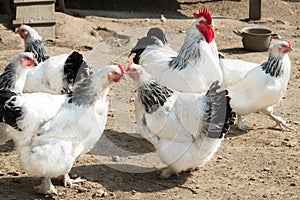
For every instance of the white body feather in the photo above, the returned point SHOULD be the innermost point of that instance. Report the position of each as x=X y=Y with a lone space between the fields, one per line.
x=47 y=76
x=53 y=152
x=175 y=129
x=199 y=73
x=250 y=88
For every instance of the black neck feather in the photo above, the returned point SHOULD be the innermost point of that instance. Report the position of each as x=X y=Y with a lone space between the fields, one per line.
x=273 y=67
x=38 y=49
x=189 y=52
x=8 y=78
x=153 y=95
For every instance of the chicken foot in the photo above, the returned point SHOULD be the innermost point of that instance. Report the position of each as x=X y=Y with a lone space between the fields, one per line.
x=279 y=121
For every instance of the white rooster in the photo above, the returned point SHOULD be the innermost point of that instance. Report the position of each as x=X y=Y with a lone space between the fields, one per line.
x=194 y=68
x=185 y=128
x=53 y=130
x=13 y=79
x=253 y=87
x=56 y=74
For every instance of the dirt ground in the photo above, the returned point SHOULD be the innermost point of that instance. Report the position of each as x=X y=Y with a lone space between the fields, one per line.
x=260 y=164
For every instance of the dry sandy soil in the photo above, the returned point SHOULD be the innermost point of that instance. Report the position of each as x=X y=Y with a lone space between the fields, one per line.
x=260 y=164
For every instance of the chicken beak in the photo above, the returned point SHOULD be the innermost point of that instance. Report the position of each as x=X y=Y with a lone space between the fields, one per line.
x=35 y=63
x=291 y=49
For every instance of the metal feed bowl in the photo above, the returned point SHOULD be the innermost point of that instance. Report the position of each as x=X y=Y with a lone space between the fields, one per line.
x=256 y=38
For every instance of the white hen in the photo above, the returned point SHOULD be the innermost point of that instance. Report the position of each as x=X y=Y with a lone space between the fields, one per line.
x=253 y=87
x=13 y=79
x=56 y=74
x=185 y=128
x=51 y=136
x=194 y=68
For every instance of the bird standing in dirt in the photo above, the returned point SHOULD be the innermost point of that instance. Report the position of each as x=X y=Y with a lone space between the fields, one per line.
x=51 y=131
x=185 y=128
x=253 y=87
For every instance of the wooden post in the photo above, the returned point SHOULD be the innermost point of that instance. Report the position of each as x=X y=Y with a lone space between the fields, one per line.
x=255 y=10
x=61 y=4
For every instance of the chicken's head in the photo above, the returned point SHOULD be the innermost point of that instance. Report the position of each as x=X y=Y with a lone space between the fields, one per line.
x=204 y=24
x=27 y=32
x=133 y=71
x=27 y=60
x=281 y=48
x=115 y=73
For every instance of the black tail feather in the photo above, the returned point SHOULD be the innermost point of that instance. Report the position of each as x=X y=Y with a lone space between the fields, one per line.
x=219 y=113
x=9 y=112
x=75 y=69
x=146 y=41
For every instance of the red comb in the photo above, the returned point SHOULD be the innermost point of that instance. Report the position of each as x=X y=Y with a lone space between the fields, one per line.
x=289 y=42
x=203 y=12
x=121 y=68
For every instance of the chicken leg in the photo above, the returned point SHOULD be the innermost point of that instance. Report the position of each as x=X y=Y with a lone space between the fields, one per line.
x=72 y=182
x=241 y=125
x=279 y=121
x=46 y=187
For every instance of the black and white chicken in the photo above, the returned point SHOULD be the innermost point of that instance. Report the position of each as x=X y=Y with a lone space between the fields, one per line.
x=194 y=68
x=53 y=130
x=254 y=87
x=185 y=128
x=13 y=79
x=56 y=74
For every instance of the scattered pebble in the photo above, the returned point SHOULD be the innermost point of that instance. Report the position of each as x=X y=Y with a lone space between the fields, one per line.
x=16 y=173
x=293 y=184
x=100 y=193
x=279 y=21
x=93 y=33
x=2 y=174
x=266 y=169
x=291 y=144
x=296 y=123
x=82 y=190
x=220 y=157
x=252 y=178
x=133 y=192
x=116 y=158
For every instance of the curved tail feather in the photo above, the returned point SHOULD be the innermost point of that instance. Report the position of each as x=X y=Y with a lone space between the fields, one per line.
x=153 y=35
x=219 y=112
x=75 y=69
